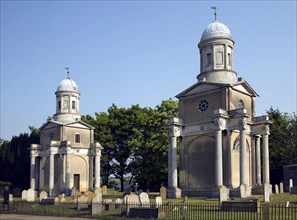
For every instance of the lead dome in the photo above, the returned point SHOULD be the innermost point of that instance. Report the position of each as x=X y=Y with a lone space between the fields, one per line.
x=216 y=29
x=67 y=85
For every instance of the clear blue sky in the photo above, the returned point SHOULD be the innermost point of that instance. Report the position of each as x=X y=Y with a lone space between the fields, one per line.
x=135 y=52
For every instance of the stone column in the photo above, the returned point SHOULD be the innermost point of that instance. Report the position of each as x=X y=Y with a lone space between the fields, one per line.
x=97 y=152
x=51 y=173
x=243 y=155
x=266 y=156
x=91 y=157
x=173 y=165
x=218 y=159
x=68 y=150
x=170 y=161
x=253 y=152
x=173 y=131
x=32 y=170
x=258 y=160
x=229 y=159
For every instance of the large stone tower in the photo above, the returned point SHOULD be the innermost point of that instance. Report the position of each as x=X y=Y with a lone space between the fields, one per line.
x=217 y=127
x=67 y=151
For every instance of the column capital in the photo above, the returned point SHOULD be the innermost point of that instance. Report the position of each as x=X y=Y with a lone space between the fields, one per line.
x=33 y=153
x=96 y=148
x=265 y=129
x=174 y=127
x=220 y=123
x=242 y=124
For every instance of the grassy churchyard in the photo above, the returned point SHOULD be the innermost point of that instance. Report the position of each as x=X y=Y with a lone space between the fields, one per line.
x=184 y=208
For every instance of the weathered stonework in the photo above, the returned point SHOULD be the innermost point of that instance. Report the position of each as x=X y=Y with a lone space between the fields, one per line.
x=218 y=129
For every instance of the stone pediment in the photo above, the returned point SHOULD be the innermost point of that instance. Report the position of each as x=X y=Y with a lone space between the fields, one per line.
x=200 y=87
x=50 y=124
x=79 y=124
x=245 y=88
x=76 y=124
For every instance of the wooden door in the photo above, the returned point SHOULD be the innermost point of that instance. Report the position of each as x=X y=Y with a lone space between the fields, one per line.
x=76 y=181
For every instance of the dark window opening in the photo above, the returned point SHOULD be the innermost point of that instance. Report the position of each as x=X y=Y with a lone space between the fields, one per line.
x=208 y=59
x=77 y=138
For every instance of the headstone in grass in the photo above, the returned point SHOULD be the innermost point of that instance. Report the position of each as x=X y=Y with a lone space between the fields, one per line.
x=104 y=190
x=118 y=202
x=56 y=201
x=158 y=201
x=281 y=187
x=132 y=201
x=276 y=189
x=127 y=189
x=30 y=195
x=144 y=199
x=96 y=206
x=10 y=198
x=62 y=200
x=24 y=195
x=163 y=192
x=98 y=192
x=290 y=185
x=223 y=190
x=42 y=195
x=82 y=202
x=73 y=191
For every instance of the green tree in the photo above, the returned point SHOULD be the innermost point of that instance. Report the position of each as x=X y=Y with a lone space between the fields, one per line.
x=134 y=142
x=282 y=143
x=15 y=158
x=151 y=164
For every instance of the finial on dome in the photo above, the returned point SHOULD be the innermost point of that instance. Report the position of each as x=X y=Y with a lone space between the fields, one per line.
x=67 y=68
x=215 y=11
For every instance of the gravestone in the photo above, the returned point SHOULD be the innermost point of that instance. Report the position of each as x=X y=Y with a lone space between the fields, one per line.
x=62 y=200
x=132 y=201
x=223 y=194
x=42 y=195
x=10 y=198
x=30 y=195
x=127 y=189
x=118 y=202
x=144 y=199
x=98 y=192
x=163 y=193
x=82 y=202
x=267 y=190
x=104 y=190
x=281 y=187
x=290 y=185
x=276 y=189
x=56 y=201
x=24 y=195
x=73 y=191
x=158 y=201
x=96 y=205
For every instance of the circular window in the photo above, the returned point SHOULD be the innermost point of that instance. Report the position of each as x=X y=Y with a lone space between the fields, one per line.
x=241 y=103
x=203 y=105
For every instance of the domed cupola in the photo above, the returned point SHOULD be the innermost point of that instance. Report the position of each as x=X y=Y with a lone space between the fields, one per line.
x=216 y=54
x=67 y=104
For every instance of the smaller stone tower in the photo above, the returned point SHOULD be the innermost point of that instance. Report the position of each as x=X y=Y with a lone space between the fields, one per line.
x=66 y=154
